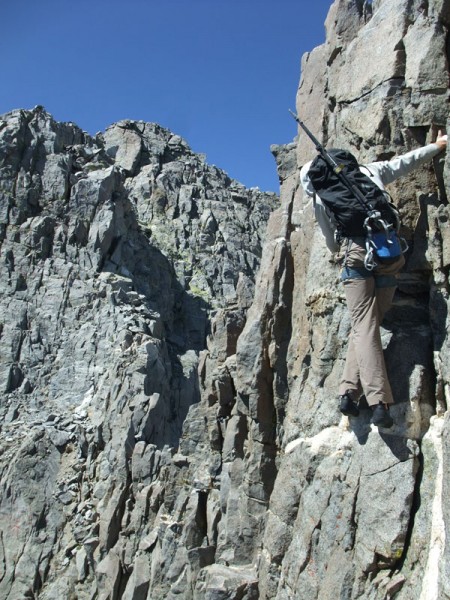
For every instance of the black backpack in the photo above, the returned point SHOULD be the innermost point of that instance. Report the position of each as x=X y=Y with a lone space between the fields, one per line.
x=349 y=212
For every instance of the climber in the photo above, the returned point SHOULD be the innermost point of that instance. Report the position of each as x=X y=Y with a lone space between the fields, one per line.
x=368 y=292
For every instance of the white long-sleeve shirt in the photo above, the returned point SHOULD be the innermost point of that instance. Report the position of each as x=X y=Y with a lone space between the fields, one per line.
x=381 y=172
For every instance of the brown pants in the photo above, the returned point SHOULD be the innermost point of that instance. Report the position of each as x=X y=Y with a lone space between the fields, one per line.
x=369 y=296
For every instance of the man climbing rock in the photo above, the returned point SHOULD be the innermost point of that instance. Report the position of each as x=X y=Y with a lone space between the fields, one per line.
x=369 y=284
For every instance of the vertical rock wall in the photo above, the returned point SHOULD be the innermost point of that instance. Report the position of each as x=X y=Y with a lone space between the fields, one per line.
x=356 y=512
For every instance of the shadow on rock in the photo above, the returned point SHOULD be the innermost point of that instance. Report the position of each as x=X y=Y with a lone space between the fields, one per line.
x=397 y=445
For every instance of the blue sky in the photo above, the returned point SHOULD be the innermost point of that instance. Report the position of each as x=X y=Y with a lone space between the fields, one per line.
x=220 y=73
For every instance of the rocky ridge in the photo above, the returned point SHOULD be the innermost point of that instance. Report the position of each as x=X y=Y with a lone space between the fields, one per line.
x=118 y=251
x=168 y=427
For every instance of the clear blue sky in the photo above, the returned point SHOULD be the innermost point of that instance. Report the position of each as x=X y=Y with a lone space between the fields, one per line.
x=220 y=73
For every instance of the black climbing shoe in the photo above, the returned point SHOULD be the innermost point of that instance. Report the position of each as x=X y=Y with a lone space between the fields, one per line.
x=362 y=403
x=381 y=416
x=347 y=406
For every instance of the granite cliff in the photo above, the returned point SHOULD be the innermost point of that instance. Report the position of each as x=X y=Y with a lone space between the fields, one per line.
x=171 y=343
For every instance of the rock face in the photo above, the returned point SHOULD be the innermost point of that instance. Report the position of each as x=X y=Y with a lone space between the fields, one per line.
x=356 y=513
x=170 y=355
x=116 y=252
